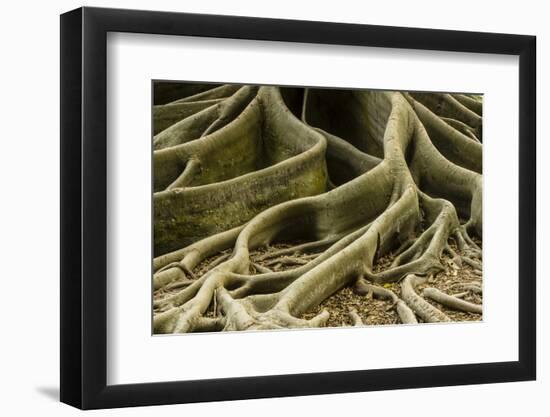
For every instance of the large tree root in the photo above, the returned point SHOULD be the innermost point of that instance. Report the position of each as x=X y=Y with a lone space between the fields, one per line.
x=452 y=302
x=421 y=307
x=261 y=158
x=351 y=176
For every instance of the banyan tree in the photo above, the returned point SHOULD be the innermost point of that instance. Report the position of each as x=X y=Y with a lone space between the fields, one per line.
x=271 y=201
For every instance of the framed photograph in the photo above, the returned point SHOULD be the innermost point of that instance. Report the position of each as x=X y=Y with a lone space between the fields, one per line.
x=258 y=208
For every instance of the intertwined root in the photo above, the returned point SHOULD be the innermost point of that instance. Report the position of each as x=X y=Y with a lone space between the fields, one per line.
x=255 y=313
x=345 y=177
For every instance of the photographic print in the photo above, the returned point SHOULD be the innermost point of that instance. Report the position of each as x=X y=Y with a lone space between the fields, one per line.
x=279 y=207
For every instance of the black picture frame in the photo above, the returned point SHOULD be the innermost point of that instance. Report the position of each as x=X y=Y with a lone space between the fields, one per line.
x=84 y=207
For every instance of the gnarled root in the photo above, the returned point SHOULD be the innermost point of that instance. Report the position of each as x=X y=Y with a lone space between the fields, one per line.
x=451 y=302
x=387 y=175
x=241 y=315
x=421 y=307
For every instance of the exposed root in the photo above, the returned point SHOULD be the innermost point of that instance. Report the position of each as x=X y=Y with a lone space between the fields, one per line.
x=206 y=324
x=462 y=128
x=231 y=107
x=268 y=206
x=472 y=263
x=261 y=269
x=187 y=175
x=192 y=255
x=405 y=313
x=218 y=261
x=422 y=308
x=471 y=287
x=456 y=259
x=355 y=318
x=302 y=248
x=286 y=260
x=239 y=317
x=179 y=284
x=451 y=301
